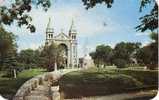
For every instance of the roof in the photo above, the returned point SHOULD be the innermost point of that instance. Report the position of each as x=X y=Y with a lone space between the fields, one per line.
x=62 y=36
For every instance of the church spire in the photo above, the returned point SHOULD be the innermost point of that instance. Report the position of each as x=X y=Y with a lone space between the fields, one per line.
x=49 y=26
x=49 y=31
x=72 y=31
x=49 y=23
x=72 y=28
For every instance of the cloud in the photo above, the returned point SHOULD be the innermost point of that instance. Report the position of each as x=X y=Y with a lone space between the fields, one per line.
x=86 y=23
x=33 y=46
x=100 y=25
x=145 y=43
x=142 y=34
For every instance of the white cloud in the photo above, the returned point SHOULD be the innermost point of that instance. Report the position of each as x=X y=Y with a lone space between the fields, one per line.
x=88 y=23
x=142 y=34
x=145 y=43
x=33 y=46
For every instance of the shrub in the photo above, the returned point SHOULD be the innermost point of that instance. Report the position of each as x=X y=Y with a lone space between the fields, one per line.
x=146 y=77
x=92 y=84
x=120 y=63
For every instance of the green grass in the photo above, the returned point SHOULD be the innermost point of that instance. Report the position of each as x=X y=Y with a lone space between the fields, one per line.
x=94 y=81
x=9 y=86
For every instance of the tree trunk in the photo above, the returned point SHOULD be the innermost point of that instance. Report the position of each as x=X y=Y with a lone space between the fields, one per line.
x=55 y=66
x=14 y=72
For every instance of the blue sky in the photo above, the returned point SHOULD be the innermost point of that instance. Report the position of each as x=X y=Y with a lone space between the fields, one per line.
x=120 y=21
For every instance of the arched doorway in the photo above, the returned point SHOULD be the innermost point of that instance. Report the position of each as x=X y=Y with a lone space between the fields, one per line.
x=64 y=53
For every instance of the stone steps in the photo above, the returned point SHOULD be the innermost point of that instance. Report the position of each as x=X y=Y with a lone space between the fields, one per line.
x=39 y=93
x=33 y=97
x=41 y=87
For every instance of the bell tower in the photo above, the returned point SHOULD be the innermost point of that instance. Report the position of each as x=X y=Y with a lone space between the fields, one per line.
x=72 y=31
x=73 y=50
x=49 y=32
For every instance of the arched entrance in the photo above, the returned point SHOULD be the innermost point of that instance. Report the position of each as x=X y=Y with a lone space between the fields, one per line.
x=64 y=53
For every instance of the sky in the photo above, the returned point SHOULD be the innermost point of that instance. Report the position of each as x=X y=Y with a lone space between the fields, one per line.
x=99 y=25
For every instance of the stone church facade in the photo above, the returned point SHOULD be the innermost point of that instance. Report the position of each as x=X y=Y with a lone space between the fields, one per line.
x=68 y=42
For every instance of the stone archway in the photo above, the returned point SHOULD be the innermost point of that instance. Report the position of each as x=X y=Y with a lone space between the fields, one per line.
x=64 y=50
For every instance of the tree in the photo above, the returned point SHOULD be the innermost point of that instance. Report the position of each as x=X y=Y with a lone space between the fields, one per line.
x=102 y=55
x=92 y=3
x=147 y=55
x=51 y=55
x=149 y=21
x=124 y=52
x=7 y=48
x=18 y=10
x=29 y=58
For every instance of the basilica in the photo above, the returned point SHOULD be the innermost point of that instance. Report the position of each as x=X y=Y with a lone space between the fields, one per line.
x=67 y=41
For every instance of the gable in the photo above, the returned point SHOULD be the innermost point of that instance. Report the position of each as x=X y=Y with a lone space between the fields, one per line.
x=61 y=36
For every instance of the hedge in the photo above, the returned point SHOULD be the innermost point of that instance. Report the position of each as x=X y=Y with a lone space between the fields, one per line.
x=95 y=83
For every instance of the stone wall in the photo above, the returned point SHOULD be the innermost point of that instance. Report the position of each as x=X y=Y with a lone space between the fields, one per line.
x=33 y=83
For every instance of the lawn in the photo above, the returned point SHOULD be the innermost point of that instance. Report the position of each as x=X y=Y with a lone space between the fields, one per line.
x=93 y=82
x=9 y=86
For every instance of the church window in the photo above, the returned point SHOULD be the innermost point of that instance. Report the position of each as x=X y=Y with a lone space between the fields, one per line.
x=51 y=35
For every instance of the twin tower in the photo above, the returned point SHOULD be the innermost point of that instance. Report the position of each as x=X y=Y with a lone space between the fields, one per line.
x=67 y=41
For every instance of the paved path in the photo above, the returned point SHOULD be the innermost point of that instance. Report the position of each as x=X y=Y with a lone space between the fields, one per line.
x=45 y=91
x=39 y=93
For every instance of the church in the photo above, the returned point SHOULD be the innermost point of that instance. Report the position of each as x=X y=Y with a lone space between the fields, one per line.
x=67 y=41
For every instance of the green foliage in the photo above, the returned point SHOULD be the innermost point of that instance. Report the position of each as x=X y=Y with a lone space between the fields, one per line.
x=124 y=52
x=144 y=3
x=7 y=49
x=8 y=87
x=29 y=58
x=121 y=55
x=102 y=55
x=147 y=55
x=16 y=12
x=51 y=54
x=149 y=21
x=146 y=77
x=154 y=37
x=30 y=73
x=120 y=63
x=93 y=82
x=92 y=3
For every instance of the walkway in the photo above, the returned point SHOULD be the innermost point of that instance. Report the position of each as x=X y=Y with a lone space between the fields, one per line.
x=41 y=87
x=39 y=93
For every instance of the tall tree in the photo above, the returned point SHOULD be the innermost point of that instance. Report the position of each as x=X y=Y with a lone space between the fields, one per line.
x=51 y=55
x=29 y=58
x=148 y=55
x=102 y=55
x=124 y=52
x=7 y=47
